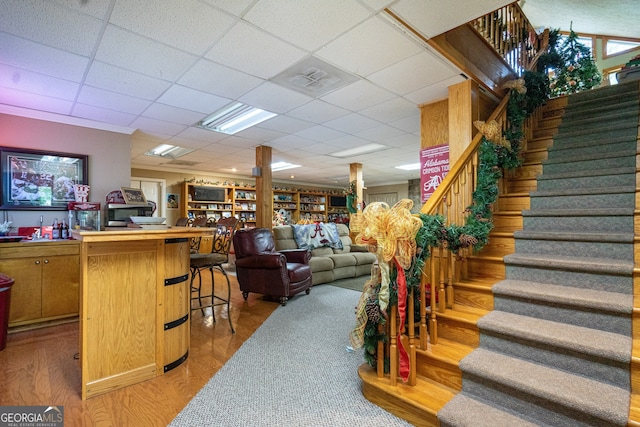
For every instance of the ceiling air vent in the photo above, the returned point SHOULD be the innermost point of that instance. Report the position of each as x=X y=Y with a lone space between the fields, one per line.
x=314 y=77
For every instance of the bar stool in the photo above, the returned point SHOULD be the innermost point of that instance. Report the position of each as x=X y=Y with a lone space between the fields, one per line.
x=225 y=229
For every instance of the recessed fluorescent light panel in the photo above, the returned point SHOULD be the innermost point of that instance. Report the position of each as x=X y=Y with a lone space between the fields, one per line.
x=235 y=117
x=280 y=166
x=168 y=151
x=411 y=167
x=363 y=149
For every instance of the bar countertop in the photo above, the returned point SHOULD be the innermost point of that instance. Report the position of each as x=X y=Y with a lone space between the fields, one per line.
x=151 y=233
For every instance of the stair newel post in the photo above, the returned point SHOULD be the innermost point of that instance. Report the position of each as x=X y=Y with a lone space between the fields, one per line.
x=410 y=325
x=393 y=346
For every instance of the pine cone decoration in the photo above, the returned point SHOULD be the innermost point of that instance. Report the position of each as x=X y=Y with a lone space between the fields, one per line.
x=468 y=240
x=373 y=311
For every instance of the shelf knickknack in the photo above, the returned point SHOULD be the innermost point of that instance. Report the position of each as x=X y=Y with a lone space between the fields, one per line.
x=34 y=179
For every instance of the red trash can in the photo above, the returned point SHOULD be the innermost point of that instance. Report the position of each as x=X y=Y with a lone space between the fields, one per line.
x=5 y=303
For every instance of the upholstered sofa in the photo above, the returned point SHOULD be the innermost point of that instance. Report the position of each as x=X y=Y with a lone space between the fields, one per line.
x=333 y=261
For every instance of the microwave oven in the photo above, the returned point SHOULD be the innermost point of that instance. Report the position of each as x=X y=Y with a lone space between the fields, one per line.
x=119 y=214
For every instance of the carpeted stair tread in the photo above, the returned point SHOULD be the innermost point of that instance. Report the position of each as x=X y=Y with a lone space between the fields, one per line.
x=613 y=128
x=614 y=302
x=579 y=212
x=575 y=236
x=585 y=173
x=562 y=336
x=602 y=401
x=583 y=191
x=602 y=142
x=466 y=410
x=591 y=156
x=606 y=109
x=591 y=265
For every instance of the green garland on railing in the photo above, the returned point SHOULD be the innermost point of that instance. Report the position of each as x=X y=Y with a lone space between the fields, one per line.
x=492 y=160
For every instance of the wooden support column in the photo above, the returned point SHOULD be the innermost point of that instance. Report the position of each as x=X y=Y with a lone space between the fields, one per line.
x=355 y=174
x=463 y=110
x=264 y=202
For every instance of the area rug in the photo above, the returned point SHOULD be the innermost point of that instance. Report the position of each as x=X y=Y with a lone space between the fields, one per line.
x=297 y=369
x=353 y=283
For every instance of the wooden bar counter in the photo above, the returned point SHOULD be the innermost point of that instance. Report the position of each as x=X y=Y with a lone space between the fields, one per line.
x=134 y=304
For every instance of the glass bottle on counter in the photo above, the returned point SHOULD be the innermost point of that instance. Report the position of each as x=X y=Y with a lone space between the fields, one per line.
x=64 y=230
x=55 y=232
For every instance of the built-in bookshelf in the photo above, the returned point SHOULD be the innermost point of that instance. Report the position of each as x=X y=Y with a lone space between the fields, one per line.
x=218 y=201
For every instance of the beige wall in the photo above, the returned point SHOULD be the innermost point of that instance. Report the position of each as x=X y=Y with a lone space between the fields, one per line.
x=109 y=157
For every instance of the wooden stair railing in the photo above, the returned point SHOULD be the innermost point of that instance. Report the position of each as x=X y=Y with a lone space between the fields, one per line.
x=512 y=36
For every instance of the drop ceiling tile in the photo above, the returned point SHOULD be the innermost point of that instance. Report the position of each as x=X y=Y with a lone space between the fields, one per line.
x=261 y=134
x=23 y=80
x=378 y=4
x=380 y=45
x=145 y=56
x=123 y=81
x=309 y=25
x=272 y=97
x=199 y=134
x=358 y=96
x=433 y=17
x=409 y=124
x=352 y=123
x=235 y=7
x=90 y=95
x=103 y=115
x=34 y=101
x=320 y=133
x=193 y=100
x=219 y=80
x=255 y=52
x=290 y=141
x=391 y=110
x=74 y=32
x=172 y=114
x=434 y=92
x=21 y=53
x=417 y=71
x=188 y=24
x=285 y=124
x=379 y=133
x=318 y=111
x=405 y=140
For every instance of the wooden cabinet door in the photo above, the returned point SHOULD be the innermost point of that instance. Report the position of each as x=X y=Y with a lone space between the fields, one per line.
x=60 y=285
x=26 y=299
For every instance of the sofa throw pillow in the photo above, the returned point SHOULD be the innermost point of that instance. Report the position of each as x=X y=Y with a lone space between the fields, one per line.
x=311 y=236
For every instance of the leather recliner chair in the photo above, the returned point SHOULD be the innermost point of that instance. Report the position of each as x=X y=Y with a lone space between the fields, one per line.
x=263 y=270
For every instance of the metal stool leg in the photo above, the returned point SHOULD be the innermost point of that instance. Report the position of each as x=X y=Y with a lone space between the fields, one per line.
x=228 y=300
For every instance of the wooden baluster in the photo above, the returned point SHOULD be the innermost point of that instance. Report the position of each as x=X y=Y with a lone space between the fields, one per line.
x=424 y=280
x=393 y=347
x=441 y=290
x=433 y=322
x=380 y=352
x=450 y=289
x=411 y=326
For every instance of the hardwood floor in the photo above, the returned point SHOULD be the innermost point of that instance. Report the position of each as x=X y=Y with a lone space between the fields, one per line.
x=38 y=368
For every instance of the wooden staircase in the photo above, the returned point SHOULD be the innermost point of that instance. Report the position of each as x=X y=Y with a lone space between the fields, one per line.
x=438 y=375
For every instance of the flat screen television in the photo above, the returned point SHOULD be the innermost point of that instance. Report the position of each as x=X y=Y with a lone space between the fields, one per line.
x=209 y=194
x=338 y=201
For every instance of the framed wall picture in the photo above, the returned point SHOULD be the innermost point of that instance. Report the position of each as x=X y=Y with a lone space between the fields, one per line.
x=34 y=179
x=133 y=196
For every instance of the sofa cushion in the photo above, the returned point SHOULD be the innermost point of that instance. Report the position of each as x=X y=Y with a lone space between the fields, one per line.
x=320 y=263
x=283 y=236
x=342 y=260
x=321 y=252
x=363 y=258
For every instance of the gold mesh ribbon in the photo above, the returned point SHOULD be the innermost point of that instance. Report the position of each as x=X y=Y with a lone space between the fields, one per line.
x=518 y=85
x=492 y=132
x=390 y=233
